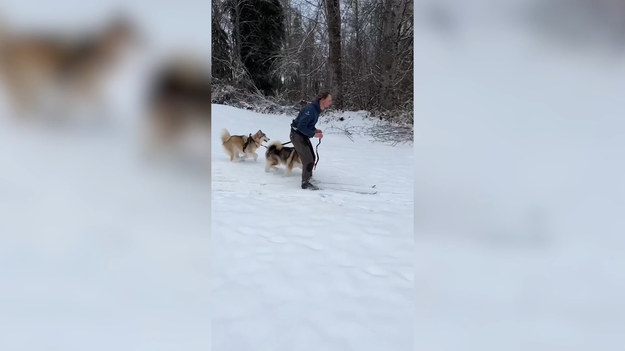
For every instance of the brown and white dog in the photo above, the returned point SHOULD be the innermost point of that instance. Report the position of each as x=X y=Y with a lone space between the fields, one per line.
x=35 y=66
x=180 y=99
x=278 y=154
x=246 y=144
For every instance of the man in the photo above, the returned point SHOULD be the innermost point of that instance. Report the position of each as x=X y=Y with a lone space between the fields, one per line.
x=302 y=129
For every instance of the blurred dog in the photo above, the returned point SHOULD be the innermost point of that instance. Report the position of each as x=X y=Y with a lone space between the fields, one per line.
x=236 y=144
x=35 y=67
x=180 y=99
x=278 y=154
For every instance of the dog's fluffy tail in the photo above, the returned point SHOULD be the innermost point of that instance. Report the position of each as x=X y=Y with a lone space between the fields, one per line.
x=277 y=145
x=225 y=135
x=273 y=147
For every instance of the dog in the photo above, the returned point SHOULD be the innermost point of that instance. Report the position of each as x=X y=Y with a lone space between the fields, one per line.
x=278 y=154
x=236 y=144
x=179 y=99
x=36 y=66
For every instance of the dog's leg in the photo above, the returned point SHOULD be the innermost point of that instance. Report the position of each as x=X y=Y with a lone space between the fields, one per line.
x=255 y=157
x=229 y=152
x=16 y=89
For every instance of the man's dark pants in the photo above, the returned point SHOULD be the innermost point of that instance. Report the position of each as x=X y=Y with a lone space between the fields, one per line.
x=304 y=149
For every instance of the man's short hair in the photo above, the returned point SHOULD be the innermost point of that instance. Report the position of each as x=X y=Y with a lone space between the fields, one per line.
x=322 y=95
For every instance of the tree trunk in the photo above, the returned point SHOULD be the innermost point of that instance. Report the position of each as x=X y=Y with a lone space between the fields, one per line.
x=358 y=53
x=334 y=34
x=387 y=59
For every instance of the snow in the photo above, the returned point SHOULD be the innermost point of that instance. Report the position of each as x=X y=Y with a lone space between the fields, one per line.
x=519 y=194
x=315 y=270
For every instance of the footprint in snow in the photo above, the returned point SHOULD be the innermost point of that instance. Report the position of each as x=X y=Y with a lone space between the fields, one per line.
x=375 y=271
x=276 y=240
x=312 y=245
x=246 y=230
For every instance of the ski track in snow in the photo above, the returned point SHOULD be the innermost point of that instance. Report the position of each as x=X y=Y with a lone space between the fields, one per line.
x=318 y=270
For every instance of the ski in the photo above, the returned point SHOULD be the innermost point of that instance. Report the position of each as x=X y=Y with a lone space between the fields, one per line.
x=348 y=188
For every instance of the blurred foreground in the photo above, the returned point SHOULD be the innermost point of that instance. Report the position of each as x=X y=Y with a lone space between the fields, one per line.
x=100 y=248
x=519 y=189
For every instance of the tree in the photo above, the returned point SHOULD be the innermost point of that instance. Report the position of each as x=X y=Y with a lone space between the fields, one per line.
x=221 y=68
x=259 y=34
x=362 y=50
x=334 y=34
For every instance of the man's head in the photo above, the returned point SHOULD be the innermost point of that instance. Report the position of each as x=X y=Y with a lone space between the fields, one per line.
x=325 y=100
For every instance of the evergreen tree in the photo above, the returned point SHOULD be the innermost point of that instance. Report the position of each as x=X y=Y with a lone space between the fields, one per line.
x=260 y=27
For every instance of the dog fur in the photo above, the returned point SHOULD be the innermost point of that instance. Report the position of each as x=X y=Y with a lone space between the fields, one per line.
x=234 y=144
x=278 y=154
x=38 y=63
x=180 y=99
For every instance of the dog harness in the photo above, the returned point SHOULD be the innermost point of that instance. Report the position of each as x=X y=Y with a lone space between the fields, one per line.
x=247 y=142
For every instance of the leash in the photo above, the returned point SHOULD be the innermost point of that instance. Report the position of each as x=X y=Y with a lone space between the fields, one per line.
x=288 y=142
x=317 y=151
x=266 y=147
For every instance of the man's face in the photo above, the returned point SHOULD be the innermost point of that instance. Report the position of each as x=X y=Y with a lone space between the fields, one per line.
x=325 y=103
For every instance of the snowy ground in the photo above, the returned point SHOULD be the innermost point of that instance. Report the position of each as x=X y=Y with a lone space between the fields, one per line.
x=295 y=269
x=519 y=194
x=98 y=249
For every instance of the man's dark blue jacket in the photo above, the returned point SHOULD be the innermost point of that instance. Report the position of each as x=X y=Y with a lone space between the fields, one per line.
x=307 y=119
